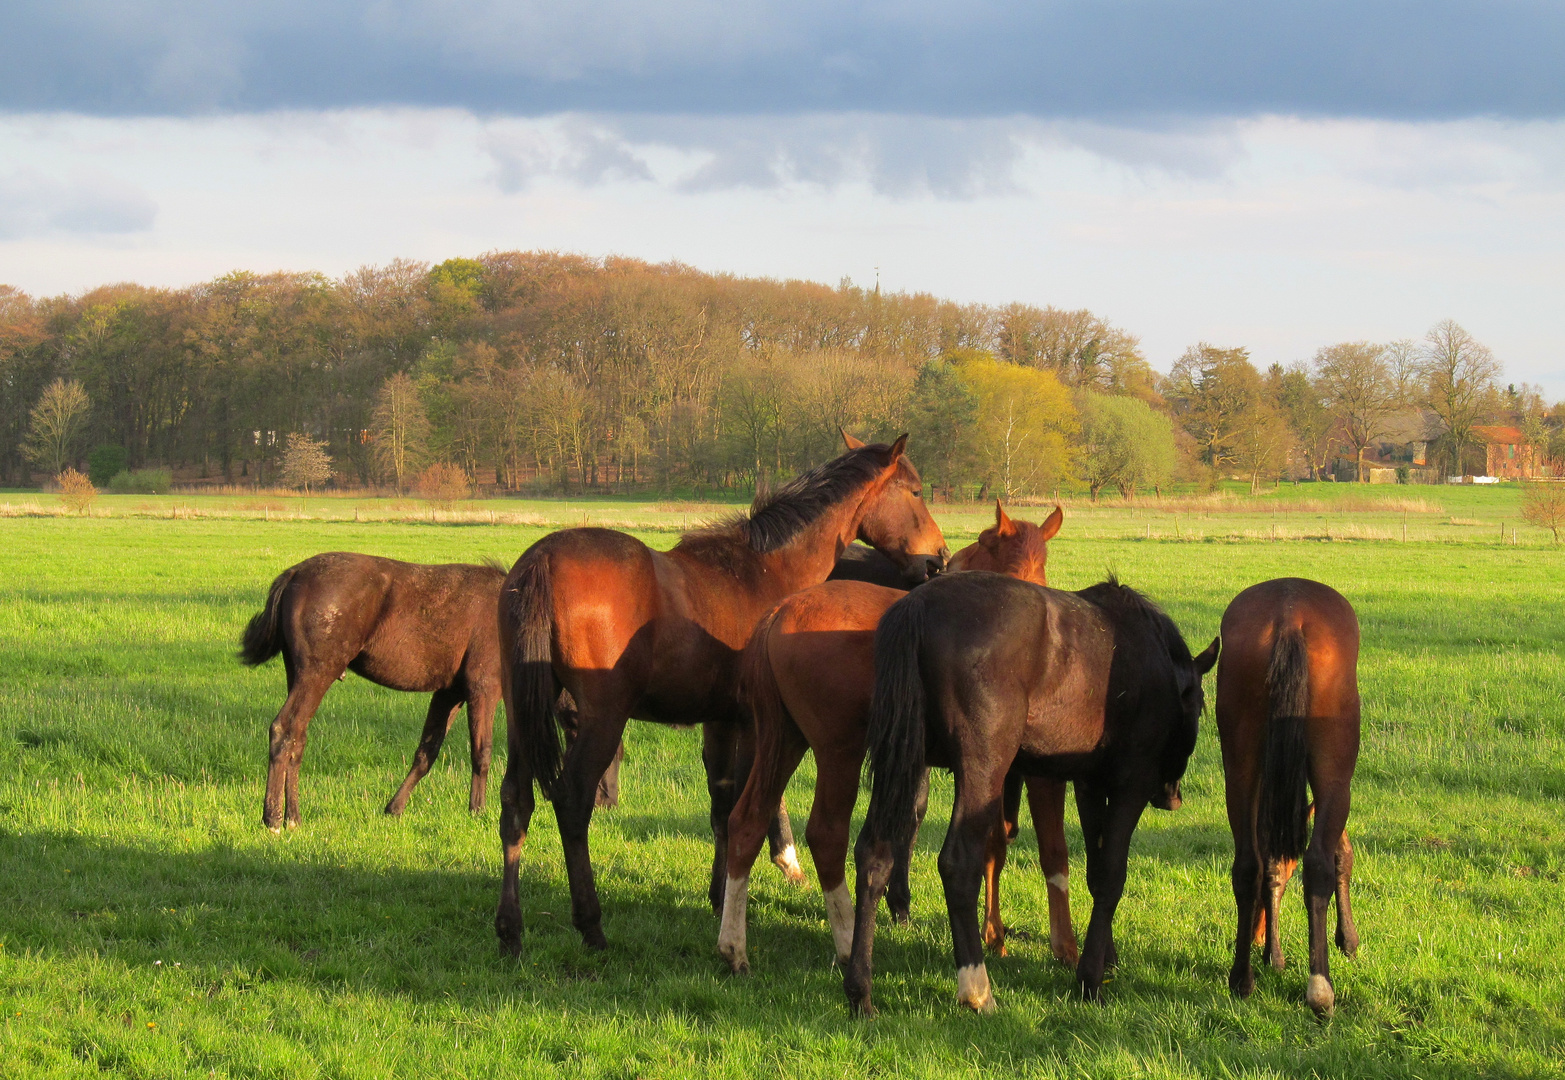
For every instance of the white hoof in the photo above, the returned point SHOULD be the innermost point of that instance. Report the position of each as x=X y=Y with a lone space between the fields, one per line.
x=1319 y=996
x=731 y=936
x=788 y=862
x=839 y=915
x=972 y=988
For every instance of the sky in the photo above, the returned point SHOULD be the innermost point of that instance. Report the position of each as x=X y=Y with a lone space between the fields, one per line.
x=1275 y=175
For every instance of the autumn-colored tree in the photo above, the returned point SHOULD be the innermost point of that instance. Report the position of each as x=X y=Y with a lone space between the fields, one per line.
x=1543 y=505
x=443 y=484
x=77 y=492
x=400 y=429
x=306 y=464
x=1358 y=388
x=1216 y=394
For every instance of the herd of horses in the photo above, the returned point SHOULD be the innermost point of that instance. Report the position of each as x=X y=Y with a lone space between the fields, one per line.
x=779 y=633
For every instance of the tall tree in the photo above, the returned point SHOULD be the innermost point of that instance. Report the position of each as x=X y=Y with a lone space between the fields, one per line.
x=1459 y=375
x=1314 y=427
x=1216 y=394
x=56 y=426
x=1124 y=444
x=1359 y=389
x=400 y=429
x=1026 y=426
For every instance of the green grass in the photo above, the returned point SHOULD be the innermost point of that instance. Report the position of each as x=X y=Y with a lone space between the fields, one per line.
x=149 y=926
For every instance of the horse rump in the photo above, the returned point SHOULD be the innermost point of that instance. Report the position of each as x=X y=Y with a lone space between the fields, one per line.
x=262 y=638
x=527 y=606
x=1283 y=826
x=897 y=724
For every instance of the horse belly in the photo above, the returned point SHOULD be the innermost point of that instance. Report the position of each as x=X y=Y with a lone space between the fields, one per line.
x=1067 y=720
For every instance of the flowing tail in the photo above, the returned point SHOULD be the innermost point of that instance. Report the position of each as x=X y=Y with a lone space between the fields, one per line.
x=527 y=611
x=261 y=640
x=1284 y=821
x=758 y=689
x=896 y=725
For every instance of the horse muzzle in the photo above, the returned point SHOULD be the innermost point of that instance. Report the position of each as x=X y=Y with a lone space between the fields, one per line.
x=1169 y=798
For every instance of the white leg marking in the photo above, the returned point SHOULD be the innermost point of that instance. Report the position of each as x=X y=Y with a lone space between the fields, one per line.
x=1319 y=996
x=788 y=862
x=839 y=913
x=972 y=988
x=731 y=937
x=1060 y=882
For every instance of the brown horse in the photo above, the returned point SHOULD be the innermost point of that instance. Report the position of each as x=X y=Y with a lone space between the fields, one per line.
x=807 y=676
x=426 y=629
x=628 y=631
x=1287 y=715
x=983 y=674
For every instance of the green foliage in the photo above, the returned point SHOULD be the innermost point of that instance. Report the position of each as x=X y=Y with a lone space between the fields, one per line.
x=106 y=462
x=942 y=422
x=1025 y=429
x=1125 y=444
x=142 y=482
x=150 y=927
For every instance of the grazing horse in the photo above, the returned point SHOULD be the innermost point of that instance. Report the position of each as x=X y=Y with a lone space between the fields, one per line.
x=1287 y=715
x=426 y=629
x=807 y=675
x=977 y=672
x=628 y=631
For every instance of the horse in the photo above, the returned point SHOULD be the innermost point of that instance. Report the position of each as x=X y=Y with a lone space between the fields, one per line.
x=976 y=672
x=1287 y=715
x=628 y=631
x=424 y=629
x=807 y=675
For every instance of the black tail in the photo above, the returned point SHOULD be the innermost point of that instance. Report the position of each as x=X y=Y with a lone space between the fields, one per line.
x=1284 y=823
x=261 y=640
x=533 y=708
x=896 y=725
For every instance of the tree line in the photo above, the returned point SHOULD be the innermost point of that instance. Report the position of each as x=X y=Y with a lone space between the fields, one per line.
x=530 y=371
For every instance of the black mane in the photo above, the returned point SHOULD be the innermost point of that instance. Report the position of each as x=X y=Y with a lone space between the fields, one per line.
x=1122 y=602
x=776 y=517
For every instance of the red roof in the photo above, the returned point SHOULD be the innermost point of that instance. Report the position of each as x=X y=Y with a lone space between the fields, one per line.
x=1502 y=434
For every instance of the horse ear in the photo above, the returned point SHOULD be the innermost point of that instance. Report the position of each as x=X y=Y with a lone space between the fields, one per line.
x=853 y=444
x=1003 y=525
x=897 y=449
x=1204 y=662
x=1052 y=523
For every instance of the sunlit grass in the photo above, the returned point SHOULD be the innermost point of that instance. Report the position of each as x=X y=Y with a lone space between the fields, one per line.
x=150 y=927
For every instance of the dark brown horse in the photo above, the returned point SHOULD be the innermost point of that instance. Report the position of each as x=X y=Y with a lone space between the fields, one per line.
x=628 y=631
x=807 y=676
x=1288 y=714
x=426 y=629
x=981 y=672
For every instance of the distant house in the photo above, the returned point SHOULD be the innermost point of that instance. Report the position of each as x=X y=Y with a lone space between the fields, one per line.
x=1508 y=454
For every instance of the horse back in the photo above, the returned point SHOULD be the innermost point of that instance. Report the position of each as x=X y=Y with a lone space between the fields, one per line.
x=1250 y=628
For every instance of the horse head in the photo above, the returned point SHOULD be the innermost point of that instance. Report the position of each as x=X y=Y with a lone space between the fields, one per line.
x=894 y=520
x=1018 y=549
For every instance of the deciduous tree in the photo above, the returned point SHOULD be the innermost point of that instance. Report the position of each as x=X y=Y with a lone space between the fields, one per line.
x=1459 y=375
x=56 y=425
x=400 y=429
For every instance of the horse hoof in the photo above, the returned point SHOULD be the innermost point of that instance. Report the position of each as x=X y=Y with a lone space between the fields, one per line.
x=1067 y=955
x=862 y=1009
x=594 y=939
x=972 y=988
x=1320 y=997
x=393 y=810
x=1278 y=962
x=1348 y=945
x=787 y=860
x=1241 y=987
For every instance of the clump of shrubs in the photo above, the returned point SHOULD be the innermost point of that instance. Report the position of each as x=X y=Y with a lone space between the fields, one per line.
x=105 y=463
x=142 y=482
x=77 y=492
x=442 y=485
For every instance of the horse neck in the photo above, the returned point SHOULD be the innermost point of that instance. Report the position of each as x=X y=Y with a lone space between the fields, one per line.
x=808 y=558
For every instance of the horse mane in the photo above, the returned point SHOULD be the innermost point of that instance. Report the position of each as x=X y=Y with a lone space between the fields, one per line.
x=776 y=517
x=1123 y=603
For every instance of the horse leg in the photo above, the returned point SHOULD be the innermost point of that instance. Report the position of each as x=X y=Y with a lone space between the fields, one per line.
x=1320 y=883
x=749 y=823
x=994 y=861
x=597 y=736
x=1347 y=931
x=1275 y=876
x=607 y=795
x=975 y=821
x=516 y=813
x=442 y=711
x=725 y=753
x=1252 y=914
x=287 y=747
x=899 y=893
x=831 y=816
x=1046 y=800
x=779 y=836
x=480 y=738
x=1114 y=816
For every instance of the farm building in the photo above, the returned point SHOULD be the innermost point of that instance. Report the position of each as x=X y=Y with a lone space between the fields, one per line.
x=1507 y=452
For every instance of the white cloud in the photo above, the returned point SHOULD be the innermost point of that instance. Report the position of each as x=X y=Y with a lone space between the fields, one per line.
x=33 y=204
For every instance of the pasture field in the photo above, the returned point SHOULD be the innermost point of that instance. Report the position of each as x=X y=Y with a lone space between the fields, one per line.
x=150 y=927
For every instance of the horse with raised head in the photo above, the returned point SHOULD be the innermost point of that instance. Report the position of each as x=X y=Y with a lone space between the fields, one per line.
x=631 y=632
x=807 y=675
x=982 y=672
x=1288 y=716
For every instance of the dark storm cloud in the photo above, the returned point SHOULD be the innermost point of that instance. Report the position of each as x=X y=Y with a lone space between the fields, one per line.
x=1390 y=59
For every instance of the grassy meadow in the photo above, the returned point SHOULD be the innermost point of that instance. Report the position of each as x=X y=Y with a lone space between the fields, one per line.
x=150 y=927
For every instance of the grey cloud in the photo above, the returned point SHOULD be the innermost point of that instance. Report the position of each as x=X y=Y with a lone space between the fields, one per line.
x=1100 y=60
x=32 y=204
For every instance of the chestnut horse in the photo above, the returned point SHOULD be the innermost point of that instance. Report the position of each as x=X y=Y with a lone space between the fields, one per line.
x=1287 y=715
x=427 y=629
x=807 y=675
x=981 y=672
x=628 y=631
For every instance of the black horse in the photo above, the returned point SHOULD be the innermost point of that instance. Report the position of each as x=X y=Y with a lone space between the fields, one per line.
x=976 y=672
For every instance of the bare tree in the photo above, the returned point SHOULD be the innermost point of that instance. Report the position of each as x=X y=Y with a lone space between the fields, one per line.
x=305 y=463
x=1358 y=388
x=1459 y=374
x=56 y=425
x=1543 y=505
x=400 y=428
